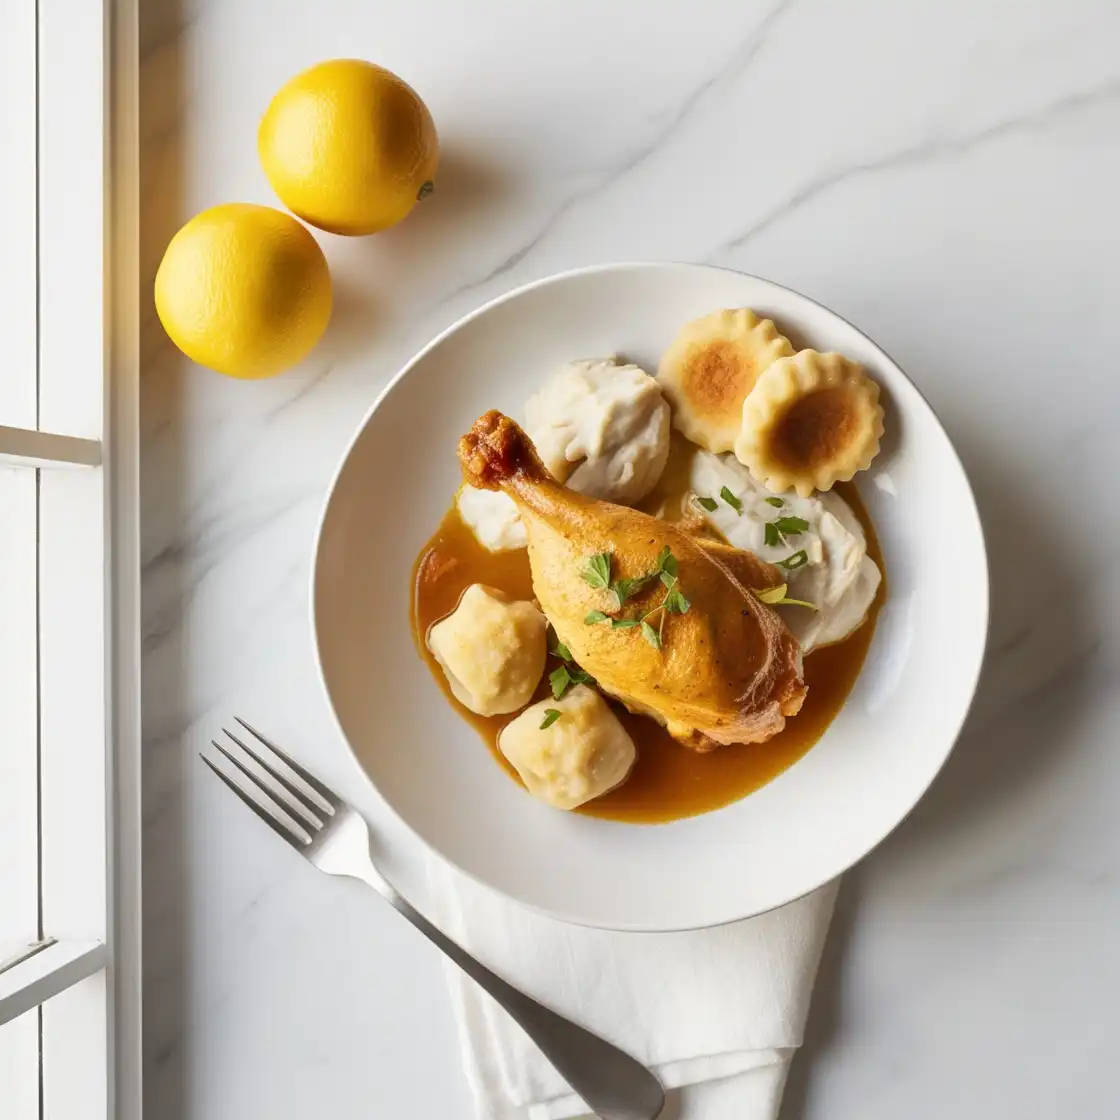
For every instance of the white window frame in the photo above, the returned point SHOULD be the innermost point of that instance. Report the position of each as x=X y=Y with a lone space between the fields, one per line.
x=70 y=1006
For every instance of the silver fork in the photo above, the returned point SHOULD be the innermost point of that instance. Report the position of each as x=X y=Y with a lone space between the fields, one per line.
x=336 y=839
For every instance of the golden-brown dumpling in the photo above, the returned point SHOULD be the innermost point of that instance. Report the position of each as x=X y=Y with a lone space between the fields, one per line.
x=570 y=758
x=811 y=421
x=492 y=650
x=711 y=367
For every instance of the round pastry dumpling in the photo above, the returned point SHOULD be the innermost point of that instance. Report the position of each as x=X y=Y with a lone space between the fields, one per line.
x=602 y=428
x=711 y=368
x=811 y=421
x=570 y=757
x=491 y=649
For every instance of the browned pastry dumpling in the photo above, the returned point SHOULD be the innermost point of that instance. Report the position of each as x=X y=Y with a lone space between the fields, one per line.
x=811 y=421
x=711 y=367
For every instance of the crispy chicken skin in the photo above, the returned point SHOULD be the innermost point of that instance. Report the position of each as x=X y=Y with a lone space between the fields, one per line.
x=729 y=670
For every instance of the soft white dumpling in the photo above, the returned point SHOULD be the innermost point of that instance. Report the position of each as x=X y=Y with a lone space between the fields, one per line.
x=601 y=428
x=582 y=754
x=492 y=650
x=493 y=518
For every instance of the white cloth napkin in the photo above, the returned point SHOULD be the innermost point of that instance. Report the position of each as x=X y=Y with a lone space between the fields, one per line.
x=716 y=1013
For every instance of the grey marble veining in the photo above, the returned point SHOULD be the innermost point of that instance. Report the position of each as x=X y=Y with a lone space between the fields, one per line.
x=943 y=175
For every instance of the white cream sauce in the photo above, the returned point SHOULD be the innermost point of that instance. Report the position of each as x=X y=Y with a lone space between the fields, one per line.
x=838 y=577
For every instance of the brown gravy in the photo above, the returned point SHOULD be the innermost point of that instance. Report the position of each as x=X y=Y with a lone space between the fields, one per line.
x=668 y=781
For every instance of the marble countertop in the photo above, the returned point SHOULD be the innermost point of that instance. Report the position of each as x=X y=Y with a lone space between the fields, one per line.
x=945 y=175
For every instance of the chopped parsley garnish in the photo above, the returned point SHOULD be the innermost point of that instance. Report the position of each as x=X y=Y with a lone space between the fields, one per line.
x=667 y=565
x=775 y=532
x=777 y=503
x=791 y=526
x=676 y=602
x=551 y=715
x=731 y=500
x=673 y=602
x=557 y=647
x=560 y=679
x=709 y=504
x=627 y=588
x=563 y=678
x=598 y=571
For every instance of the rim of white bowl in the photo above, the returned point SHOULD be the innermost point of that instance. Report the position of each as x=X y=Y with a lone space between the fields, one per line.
x=478 y=312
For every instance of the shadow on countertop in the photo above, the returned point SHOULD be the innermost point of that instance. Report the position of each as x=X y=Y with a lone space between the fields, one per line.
x=1023 y=725
x=163 y=158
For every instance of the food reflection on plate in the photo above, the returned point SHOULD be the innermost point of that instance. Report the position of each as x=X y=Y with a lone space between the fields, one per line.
x=646 y=624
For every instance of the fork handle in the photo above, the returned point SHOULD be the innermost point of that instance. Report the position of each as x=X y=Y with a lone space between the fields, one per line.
x=614 y=1085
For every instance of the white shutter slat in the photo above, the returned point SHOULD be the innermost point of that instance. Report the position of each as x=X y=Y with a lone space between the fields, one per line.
x=44 y=975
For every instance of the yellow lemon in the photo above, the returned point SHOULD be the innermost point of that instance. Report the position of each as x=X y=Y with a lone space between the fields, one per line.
x=348 y=147
x=244 y=290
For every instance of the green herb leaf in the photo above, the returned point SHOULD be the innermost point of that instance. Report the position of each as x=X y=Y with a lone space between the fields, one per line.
x=777 y=503
x=771 y=535
x=598 y=571
x=627 y=588
x=797 y=560
x=791 y=526
x=557 y=647
x=551 y=715
x=709 y=504
x=595 y=616
x=731 y=500
x=675 y=601
x=561 y=680
x=776 y=597
x=581 y=676
x=772 y=594
x=799 y=603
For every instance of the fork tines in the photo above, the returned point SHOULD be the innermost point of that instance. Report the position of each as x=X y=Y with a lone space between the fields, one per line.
x=296 y=814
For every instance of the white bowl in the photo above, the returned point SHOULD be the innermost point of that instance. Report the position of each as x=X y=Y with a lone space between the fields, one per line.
x=812 y=822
